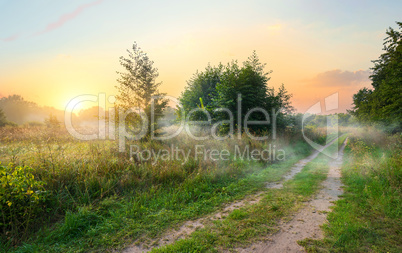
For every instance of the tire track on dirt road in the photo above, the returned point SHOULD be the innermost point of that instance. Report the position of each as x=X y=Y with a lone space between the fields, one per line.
x=306 y=223
x=189 y=227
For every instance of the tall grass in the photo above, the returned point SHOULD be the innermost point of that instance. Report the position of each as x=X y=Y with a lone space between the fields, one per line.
x=92 y=182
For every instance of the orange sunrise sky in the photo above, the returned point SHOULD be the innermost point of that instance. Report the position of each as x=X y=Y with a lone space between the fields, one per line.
x=51 y=52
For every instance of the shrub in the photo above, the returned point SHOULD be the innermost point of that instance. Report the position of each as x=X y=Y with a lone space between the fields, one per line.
x=21 y=196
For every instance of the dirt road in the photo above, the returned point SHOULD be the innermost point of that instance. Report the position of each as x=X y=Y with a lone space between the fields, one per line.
x=306 y=223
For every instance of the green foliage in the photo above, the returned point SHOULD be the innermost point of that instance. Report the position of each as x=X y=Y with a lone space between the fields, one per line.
x=220 y=87
x=21 y=196
x=201 y=87
x=383 y=104
x=138 y=88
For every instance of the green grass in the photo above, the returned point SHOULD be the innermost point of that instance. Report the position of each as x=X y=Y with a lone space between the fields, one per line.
x=368 y=217
x=117 y=221
x=250 y=223
x=97 y=199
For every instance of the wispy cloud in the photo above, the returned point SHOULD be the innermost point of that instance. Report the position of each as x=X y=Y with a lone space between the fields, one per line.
x=67 y=17
x=346 y=83
x=339 y=78
x=11 y=38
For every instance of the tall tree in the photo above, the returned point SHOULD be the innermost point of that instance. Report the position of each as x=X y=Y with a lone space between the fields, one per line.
x=250 y=81
x=219 y=87
x=138 y=87
x=383 y=103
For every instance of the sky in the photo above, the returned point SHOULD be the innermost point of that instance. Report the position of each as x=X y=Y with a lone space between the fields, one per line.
x=53 y=51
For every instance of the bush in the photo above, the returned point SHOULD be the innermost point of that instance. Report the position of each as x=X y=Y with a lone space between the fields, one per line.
x=21 y=196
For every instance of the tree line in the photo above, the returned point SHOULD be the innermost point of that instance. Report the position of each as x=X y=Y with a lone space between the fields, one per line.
x=382 y=104
x=15 y=110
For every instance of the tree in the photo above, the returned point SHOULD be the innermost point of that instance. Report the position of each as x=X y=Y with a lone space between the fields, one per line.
x=219 y=87
x=362 y=105
x=138 y=88
x=383 y=103
x=200 y=91
x=250 y=81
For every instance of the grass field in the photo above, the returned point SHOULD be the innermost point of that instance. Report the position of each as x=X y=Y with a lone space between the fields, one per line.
x=75 y=196
x=63 y=195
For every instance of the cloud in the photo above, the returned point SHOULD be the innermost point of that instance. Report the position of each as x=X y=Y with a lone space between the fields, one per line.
x=11 y=38
x=339 y=78
x=345 y=83
x=67 y=17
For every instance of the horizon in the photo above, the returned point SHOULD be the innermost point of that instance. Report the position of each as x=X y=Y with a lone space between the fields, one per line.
x=73 y=48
